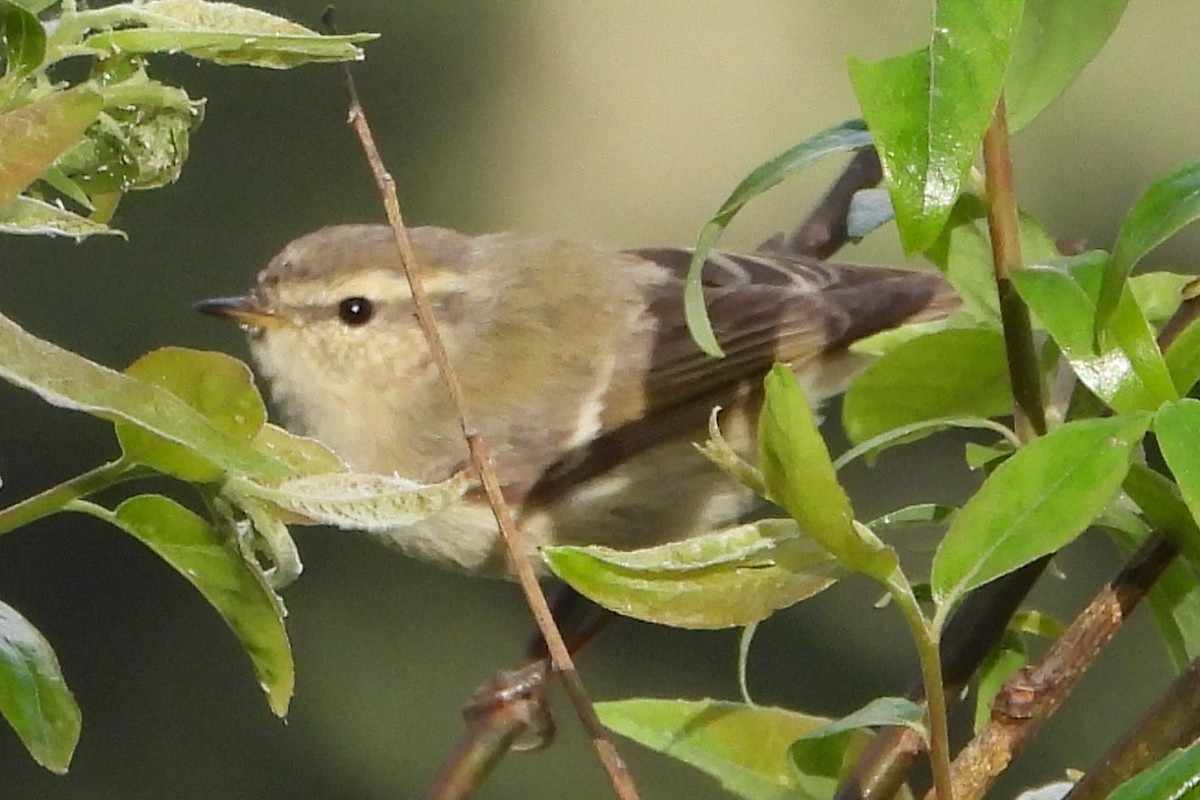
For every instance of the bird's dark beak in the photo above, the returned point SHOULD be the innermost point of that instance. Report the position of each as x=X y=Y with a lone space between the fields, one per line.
x=248 y=311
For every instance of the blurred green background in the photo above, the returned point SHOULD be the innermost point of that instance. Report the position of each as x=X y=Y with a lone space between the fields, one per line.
x=624 y=123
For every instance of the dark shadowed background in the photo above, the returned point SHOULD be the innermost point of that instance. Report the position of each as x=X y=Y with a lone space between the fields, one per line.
x=624 y=123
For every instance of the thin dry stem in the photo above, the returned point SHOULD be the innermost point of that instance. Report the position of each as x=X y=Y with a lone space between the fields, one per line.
x=560 y=657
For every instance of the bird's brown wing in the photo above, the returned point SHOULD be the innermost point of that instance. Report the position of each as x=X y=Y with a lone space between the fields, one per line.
x=763 y=309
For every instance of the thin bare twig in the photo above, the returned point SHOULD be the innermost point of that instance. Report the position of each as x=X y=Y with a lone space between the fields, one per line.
x=560 y=657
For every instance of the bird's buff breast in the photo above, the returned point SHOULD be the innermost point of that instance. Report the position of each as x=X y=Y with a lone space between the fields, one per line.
x=668 y=493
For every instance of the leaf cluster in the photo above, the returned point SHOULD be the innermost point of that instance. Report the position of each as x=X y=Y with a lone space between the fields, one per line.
x=73 y=147
x=1114 y=357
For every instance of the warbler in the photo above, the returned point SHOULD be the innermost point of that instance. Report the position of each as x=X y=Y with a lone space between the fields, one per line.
x=575 y=362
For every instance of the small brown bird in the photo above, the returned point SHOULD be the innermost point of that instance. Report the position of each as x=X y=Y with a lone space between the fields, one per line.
x=575 y=362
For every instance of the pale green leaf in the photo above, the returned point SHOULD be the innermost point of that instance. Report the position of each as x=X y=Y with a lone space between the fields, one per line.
x=68 y=380
x=732 y=577
x=744 y=747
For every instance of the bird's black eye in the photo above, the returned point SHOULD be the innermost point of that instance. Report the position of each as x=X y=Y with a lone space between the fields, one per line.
x=356 y=311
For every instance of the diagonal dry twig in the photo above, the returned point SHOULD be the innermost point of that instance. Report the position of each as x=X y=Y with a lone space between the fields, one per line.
x=560 y=657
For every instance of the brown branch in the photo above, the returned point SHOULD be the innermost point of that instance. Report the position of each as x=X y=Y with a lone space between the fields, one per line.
x=509 y=712
x=825 y=230
x=1034 y=693
x=1173 y=722
x=560 y=657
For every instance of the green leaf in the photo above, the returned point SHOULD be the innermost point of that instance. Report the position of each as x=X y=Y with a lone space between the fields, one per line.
x=1174 y=599
x=231 y=585
x=352 y=501
x=744 y=747
x=1161 y=501
x=141 y=140
x=1037 y=623
x=33 y=136
x=1183 y=359
x=1035 y=502
x=1127 y=371
x=1057 y=39
x=34 y=697
x=879 y=713
x=907 y=433
x=68 y=380
x=1005 y=658
x=928 y=110
x=303 y=455
x=1171 y=778
x=963 y=251
x=1159 y=294
x=850 y=135
x=1166 y=206
x=217 y=385
x=25 y=215
x=949 y=374
x=800 y=477
x=1178 y=428
x=722 y=455
x=23 y=38
x=917 y=514
x=717 y=580
x=224 y=33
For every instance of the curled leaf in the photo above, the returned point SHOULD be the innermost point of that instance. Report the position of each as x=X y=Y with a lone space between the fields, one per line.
x=722 y=579
x=353 y=501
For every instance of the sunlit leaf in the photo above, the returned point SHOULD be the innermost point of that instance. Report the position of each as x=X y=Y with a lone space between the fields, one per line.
x=948 y=374
x=34 y=697
x=1127 y=371
x=928 y=110
x=851 y=135
x=743 y=747
x=800 y=477
x=224 y=33
x=1035 y=502
x=234 y=587
x=217 y=385
x=143 y=141
x=1057 y=39
x=716 y=580
x=353 y=501
x=304 y=455
x=1166 y=206
x=68 y=380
